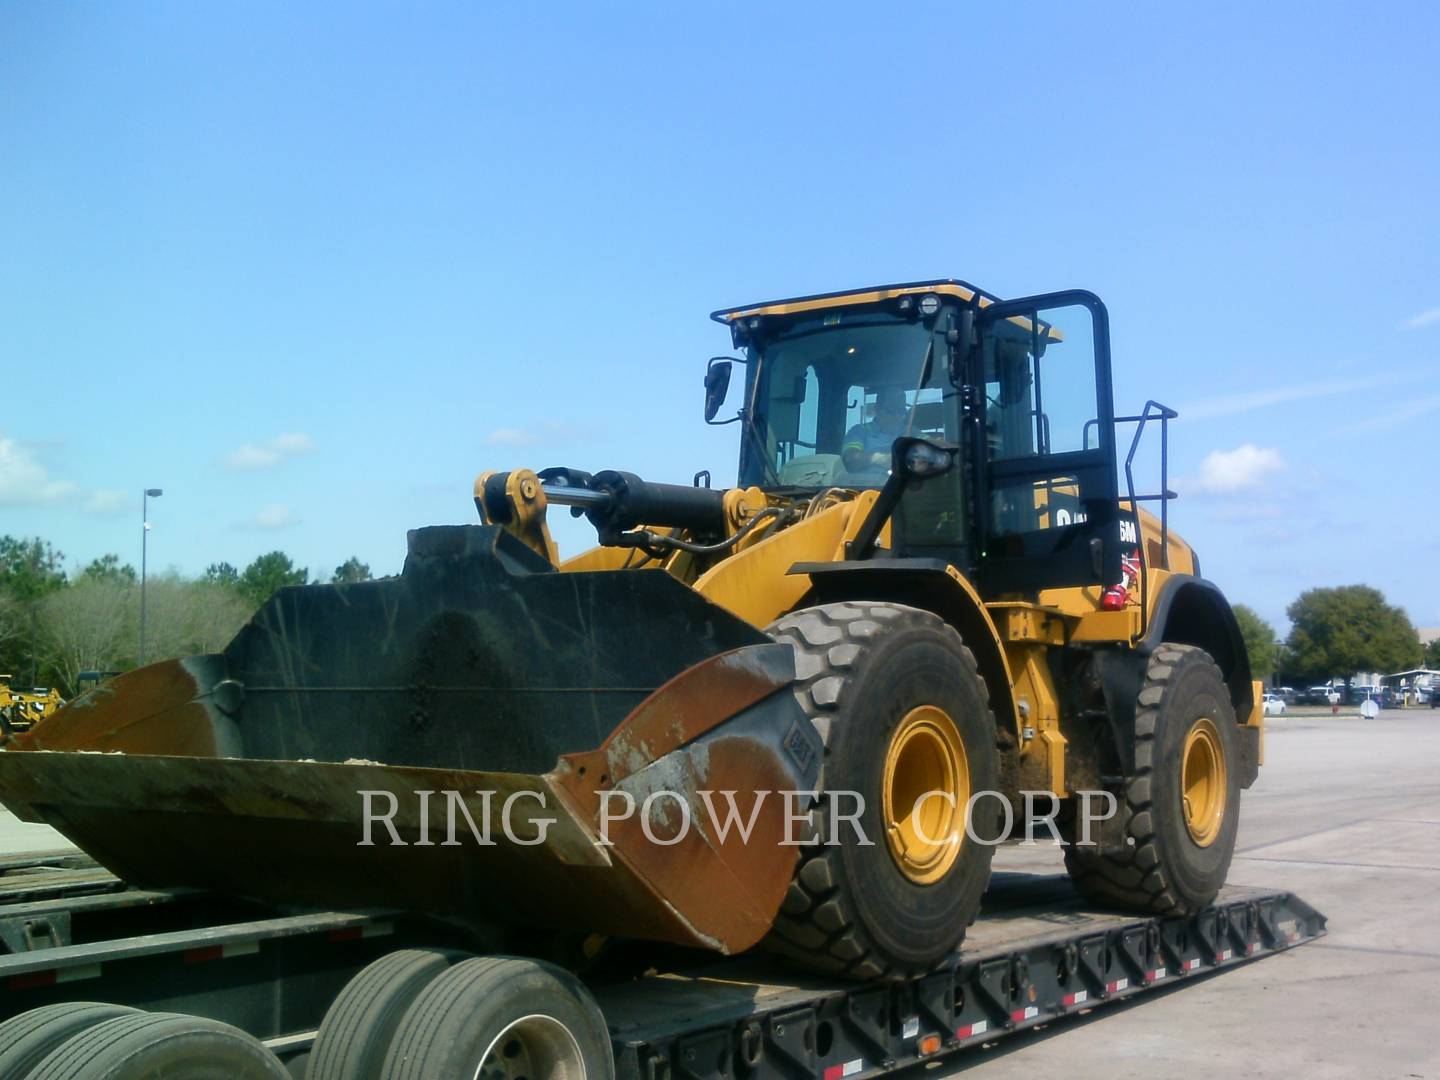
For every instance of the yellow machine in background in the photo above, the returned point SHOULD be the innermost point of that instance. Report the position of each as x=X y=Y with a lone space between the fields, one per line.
x=22 y=709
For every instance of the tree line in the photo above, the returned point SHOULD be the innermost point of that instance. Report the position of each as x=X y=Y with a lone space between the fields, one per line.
x=55 y=624
x=1336 y=632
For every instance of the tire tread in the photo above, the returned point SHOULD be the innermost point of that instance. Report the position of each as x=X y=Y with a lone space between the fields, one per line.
x=1131 y=874
x=816 y=926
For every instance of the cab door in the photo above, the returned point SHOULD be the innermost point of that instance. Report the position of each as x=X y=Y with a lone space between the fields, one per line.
x=1048 y=504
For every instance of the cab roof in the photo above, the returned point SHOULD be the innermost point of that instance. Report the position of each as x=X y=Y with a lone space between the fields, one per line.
x=875 y=294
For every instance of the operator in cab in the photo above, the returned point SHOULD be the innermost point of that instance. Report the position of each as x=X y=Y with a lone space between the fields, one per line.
x=866 y=451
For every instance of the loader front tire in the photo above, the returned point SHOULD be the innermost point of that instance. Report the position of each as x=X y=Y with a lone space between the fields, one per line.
x=1168 y=848
x=903 y=712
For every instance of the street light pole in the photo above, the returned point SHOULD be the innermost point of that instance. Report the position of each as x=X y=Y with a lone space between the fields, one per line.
x=149 y=493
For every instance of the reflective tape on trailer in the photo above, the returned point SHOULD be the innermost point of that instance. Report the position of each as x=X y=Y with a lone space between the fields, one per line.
x=206 y=953
x=1029 y=1012
x=1079 y=997
x=968 y=1031
x=848 y=1068
x=367 y=930
x=53 y=976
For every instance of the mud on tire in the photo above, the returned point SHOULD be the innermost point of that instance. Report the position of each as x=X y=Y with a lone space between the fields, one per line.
x=1146 y=858
x=860 y=668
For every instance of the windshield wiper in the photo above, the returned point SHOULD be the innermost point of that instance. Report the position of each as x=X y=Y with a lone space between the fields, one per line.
x=920 y=383
x=752 y=430
x=757 y=444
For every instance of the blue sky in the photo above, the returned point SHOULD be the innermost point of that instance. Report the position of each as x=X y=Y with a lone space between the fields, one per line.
x=310 y=268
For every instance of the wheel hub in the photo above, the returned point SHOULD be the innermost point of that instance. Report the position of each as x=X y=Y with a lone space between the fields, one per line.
x=1203 y=782
x=534 y=1047
x=926 y=789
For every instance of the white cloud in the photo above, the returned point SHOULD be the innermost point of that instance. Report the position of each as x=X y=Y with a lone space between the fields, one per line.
x=1390 y=415
x=269 y=454
x=270 y=519
x=1233 y=404
x=1249 y=511
x=549 y=431
x=1226 y=472
x=1425 y=318
x=107 y=503
x=24 y=481
x=506 y=436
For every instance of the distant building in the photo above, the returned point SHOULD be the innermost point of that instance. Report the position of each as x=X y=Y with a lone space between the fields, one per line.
x=1419 y=683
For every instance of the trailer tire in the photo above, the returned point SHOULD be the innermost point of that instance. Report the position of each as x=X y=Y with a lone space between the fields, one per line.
x=147 y=1045
x=358 y=1027
x=1167 y=851
x=502 y=1009
x=27 y=1039
x=865 y=671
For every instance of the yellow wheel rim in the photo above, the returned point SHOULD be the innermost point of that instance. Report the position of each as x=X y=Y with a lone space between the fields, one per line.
x=926 y=789
x=1202 y=782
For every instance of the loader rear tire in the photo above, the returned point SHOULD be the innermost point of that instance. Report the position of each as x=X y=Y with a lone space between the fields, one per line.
x=1168 y=848
x=902 y=710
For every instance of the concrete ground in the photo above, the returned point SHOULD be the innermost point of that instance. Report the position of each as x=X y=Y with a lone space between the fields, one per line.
x=1346 y=815
x=16 y=835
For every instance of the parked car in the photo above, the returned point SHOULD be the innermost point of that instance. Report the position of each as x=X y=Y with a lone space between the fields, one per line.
x=1319 y=695
x=1290 y=694
x=1274 y=705
x=1361 y=694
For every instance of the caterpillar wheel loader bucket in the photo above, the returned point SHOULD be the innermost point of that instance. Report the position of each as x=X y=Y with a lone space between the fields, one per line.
x=346 y=713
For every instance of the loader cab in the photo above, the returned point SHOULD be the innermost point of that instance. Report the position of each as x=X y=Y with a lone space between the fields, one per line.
x=1020 y=389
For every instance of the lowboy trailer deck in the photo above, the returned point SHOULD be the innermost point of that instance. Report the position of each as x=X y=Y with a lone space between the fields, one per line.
x=70 y=931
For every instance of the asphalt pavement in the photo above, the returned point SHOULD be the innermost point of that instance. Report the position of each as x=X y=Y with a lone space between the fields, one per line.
x=1346 y=815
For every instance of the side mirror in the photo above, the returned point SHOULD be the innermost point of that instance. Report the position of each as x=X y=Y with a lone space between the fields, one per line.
x=921 y=458
x=717 y=385
x=911 y=458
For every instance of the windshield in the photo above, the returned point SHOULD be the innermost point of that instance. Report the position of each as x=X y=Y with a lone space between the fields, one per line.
x=831 y=396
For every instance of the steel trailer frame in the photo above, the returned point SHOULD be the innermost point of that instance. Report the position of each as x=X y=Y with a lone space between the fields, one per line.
x=69 y=930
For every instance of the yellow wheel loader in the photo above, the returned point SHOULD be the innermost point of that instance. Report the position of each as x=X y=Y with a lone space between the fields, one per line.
x=927 y=613
x=22 y=709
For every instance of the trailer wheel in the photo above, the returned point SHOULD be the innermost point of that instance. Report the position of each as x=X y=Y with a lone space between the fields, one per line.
x=26 y=1039
x=502 y=1018
x=903 y=712
x=1167 y=850
x=356 y=1031
x=148 y=1045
